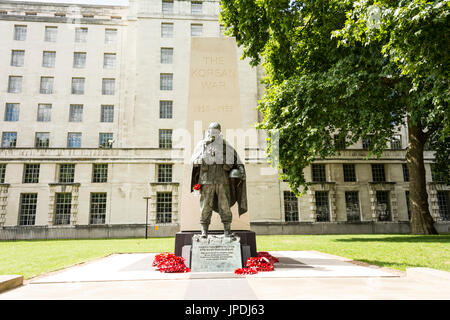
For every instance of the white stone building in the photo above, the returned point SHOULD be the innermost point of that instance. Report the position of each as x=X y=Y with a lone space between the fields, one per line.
x=89 y=97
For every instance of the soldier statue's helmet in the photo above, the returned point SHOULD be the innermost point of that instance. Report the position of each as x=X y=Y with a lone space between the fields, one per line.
x=236 y=174
x=214 y=125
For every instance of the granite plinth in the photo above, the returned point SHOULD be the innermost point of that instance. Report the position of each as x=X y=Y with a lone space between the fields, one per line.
x=184 y=238
x=216 y=253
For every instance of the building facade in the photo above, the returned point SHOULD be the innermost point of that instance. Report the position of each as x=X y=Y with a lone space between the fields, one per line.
x=89 y=99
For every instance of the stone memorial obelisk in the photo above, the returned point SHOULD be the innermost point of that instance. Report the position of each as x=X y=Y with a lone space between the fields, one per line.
x=214 y=96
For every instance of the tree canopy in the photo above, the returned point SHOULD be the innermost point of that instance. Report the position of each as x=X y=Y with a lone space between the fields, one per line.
x=348 y=70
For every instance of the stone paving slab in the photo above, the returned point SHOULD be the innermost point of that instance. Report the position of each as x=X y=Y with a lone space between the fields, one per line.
x=300 y=275
x=138 y=266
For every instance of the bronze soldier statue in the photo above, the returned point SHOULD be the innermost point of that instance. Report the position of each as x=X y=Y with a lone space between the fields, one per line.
x=219 y=171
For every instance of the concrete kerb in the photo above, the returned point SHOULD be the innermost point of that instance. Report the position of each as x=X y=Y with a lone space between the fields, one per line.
x=8 y=282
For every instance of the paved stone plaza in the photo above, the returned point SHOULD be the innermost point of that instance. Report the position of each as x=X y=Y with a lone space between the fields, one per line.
x=298 y=275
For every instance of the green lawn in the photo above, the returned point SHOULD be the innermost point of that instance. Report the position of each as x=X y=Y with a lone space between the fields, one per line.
x=31 y=258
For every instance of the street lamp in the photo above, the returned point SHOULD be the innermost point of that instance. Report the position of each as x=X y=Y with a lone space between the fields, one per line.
x=146 y=216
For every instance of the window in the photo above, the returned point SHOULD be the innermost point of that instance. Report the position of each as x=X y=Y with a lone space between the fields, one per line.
x=17 y=58
x=31 y=13
x=42 y=140
x=105 y=140
x=396 y=142
x=167 y=7
x=44 y=112
x=221 y=30
x=166 y=30
x=405 y=172
x=79 y=60
x=88 y=15
x=2 y=172
x=110 y=36
x=27 y=209
x=9 y=139
x=165 y=109
x=196 y=7
x=48 y=59
x=66 y=173
x=109 y=60
x=63 y=206
x=100 y=173
x=78 y=85
x=378 y=174
x=290 y=206
x=383 y=207
x=196 y=30
x=108 y=86
x=15 y=84
x=74 y=140
x=408 y=206
x=46 y=85
x=60 y=14
x=318 y=173
x=436 y=175
x=50 y=34
x=31 y=173
x=322 y=207
x=165 y=138
x=166 y=81
x=81 y=34
x=164 y=207
x=352 y=206
x=12 y=112
x=76 y=113
x=366 y=142
x=165 y=173
x=98 y=208
x=339 y=142
x=107 y=113
x=167 y=55
x=20 y=33
x=444 y=213
x=349 y=172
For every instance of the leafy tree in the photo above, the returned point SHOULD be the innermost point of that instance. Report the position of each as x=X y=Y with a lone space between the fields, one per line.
x=358 y=70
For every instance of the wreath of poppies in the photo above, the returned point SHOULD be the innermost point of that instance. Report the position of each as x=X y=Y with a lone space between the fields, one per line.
x=263 y=262
x=170 y=263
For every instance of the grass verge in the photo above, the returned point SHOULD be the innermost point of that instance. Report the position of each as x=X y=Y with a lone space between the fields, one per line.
x=34 y=257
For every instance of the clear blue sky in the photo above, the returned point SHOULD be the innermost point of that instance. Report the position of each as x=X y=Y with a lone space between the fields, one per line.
x=111 y=2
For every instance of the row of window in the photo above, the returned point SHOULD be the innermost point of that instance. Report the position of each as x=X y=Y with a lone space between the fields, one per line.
x=74 y=139
x=44 y=112
x=196 y=7
x=352 y=206
x=81 y=34
x=42 y=140
x=318 y=173
x=51 y=32
x=79 y=59
x=78 y=85
x=12 y=112
x=395 y=143
x=97 y=211
x=66 y=173
x=61 y=14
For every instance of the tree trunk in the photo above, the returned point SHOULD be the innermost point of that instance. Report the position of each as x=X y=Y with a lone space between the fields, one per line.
x=421 y=220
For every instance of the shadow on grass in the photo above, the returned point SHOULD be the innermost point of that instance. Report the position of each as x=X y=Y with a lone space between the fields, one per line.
x=400 y=266
x=430 y=238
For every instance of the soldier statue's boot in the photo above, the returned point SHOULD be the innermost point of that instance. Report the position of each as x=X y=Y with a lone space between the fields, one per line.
x=227 y=230
x=204 y=230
